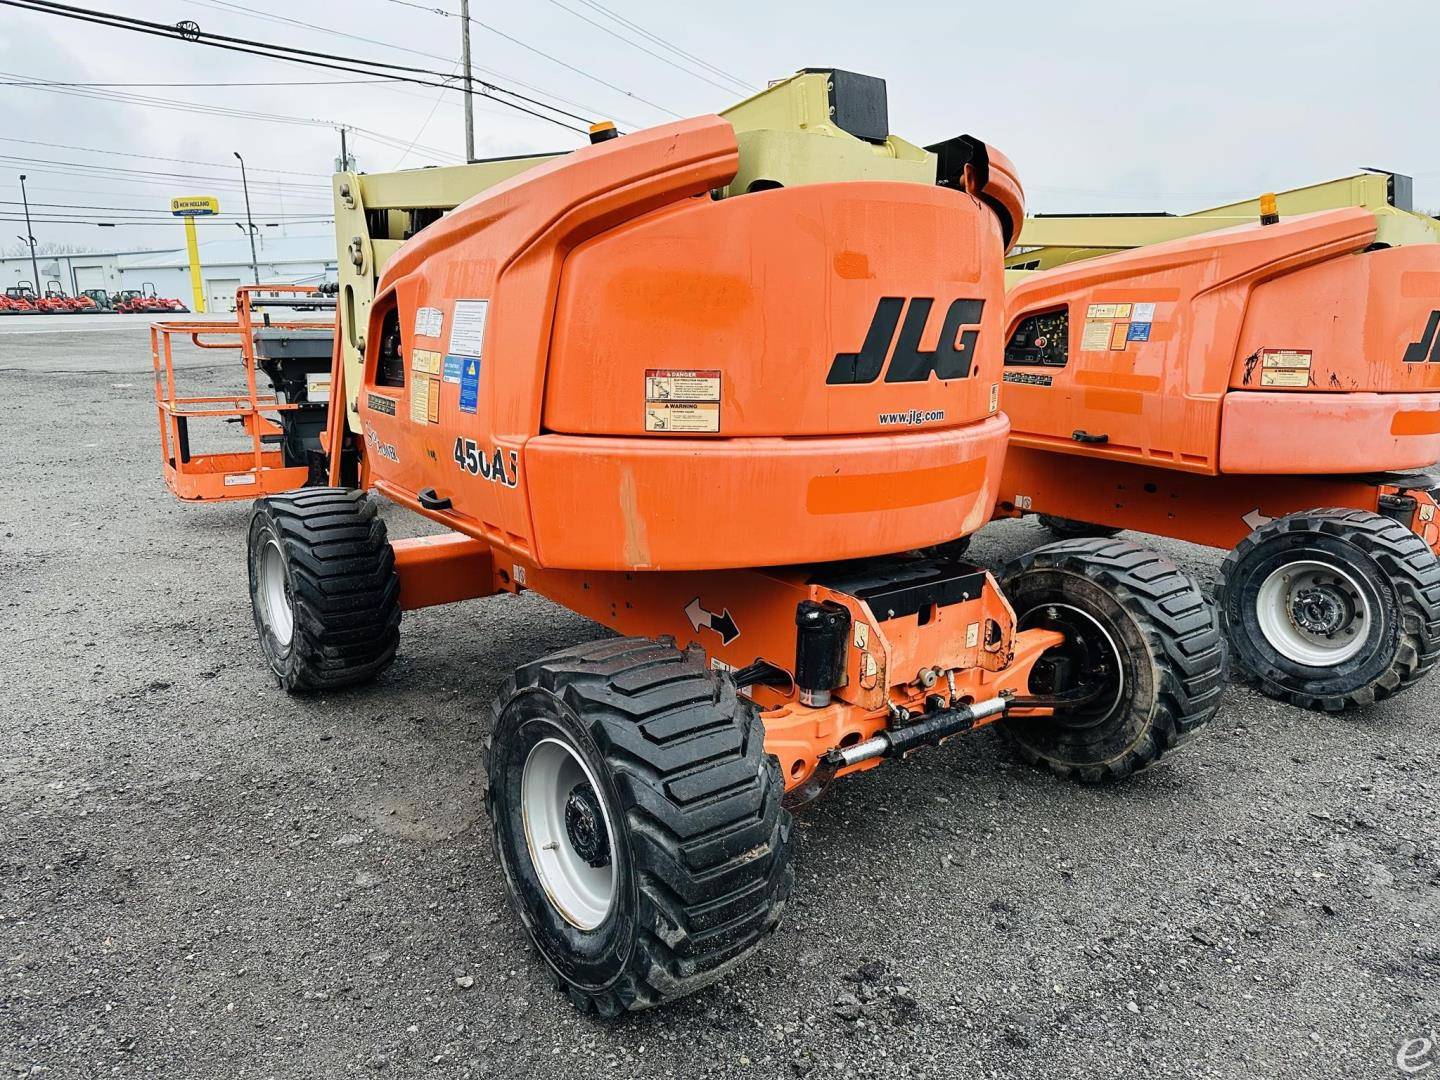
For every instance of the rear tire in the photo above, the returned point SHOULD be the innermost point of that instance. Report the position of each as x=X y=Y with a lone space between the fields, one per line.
x=1332 y=609
x=323 y=588
x=1143 y=626
x=1070 y=529
x=629 y=753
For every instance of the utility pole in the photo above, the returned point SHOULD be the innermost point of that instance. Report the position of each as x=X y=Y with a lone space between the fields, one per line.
x=30 y=234
x=469 y=81
x=254 y=263
x=344 y=154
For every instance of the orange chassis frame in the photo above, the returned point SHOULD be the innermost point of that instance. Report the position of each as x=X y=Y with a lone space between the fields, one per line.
x=231 y=475
x=1218 y=510
x=893 y=663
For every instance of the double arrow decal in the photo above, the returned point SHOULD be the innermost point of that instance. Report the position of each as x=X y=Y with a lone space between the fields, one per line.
x=723 y=624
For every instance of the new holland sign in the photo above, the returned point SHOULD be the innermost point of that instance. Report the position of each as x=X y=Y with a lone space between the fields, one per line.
x=195 y=206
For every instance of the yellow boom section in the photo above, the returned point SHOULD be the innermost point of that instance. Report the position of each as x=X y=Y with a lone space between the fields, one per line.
x=1047 y=240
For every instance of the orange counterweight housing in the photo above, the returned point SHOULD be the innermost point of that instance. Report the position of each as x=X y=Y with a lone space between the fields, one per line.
x=600 y=366
x=1296 y=348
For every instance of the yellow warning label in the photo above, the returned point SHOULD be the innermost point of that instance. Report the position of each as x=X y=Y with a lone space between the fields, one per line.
x=1122 y=311
x=1103 y=311
x=425 y=401
x=1119 y=334
x=682 y=416
x=426 y=360
x=1096 y=337
x=1285 y=358
x=1286 y=377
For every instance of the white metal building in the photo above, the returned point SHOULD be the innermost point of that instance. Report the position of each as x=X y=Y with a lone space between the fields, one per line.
x=224 y=267
x=76 y=273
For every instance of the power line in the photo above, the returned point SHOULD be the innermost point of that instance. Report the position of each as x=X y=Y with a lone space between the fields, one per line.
x=161 y=173
x=136 y=210
x=648 y=52
x=214 y=110
x=268 y=82
x=291 y=53
x=266 y=16
x=149 y=157
x=540 y=52
x=748 y=87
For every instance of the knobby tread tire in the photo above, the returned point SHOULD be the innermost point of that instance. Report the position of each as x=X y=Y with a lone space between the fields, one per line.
x=1403 y=559
x=708 y=843
x=1182 y=647
x=345 y=593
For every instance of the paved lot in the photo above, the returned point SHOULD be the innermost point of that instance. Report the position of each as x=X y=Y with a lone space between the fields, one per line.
x=200 y=877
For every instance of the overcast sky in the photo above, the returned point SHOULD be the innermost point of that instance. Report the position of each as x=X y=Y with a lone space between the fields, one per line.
x=1104 y=106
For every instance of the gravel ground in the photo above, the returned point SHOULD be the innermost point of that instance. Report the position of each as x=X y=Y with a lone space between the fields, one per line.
x=200 y=877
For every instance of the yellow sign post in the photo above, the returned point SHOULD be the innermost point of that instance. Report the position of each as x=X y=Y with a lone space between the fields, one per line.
x=190 y=207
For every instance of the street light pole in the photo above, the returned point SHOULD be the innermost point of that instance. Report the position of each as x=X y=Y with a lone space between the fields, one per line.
x=254 y=263
x=30 y=235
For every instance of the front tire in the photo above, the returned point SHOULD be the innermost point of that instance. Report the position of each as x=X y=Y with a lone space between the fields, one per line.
x=1139 y=630
x=636 y=818
x=1332 y=609
x=323 y=588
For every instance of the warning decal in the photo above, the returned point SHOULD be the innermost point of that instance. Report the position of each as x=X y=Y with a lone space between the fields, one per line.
x=1143 y=313
x=429 y=322
x=469 y=384
x=682 y=400
x=668 y=384
x=381 y=404
x=1285 y=367
x=1096 y=337
x=1119 y=334
x=452 y=368
x=425 y=401
x=426 y=361
x=467 y=332
x=682 y=416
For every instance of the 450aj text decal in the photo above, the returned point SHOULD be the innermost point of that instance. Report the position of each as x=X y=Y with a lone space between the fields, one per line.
x=498 y=466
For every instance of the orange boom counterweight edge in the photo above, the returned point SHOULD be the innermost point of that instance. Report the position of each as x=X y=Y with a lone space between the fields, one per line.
x=720 y=386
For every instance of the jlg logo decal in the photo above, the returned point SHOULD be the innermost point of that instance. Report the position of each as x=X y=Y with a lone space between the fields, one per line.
x=1429 y=344
x=951 y=358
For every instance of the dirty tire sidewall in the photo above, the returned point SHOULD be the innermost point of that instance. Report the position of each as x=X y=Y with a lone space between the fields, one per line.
x=1255 y=649
x=592 y=959
x=1396 y=573
x=278 y=654
x=1087 y=751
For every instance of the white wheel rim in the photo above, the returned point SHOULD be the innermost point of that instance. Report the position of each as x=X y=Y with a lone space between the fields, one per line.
x=1313 y=613
x=274 y=594
x=582 y=893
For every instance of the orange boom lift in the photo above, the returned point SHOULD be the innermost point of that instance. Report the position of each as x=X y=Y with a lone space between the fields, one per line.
x=656 y=380
x=1272 y=388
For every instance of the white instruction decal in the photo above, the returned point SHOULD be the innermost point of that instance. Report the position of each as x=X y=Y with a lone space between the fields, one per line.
x=467 y=332
x=429 y=321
